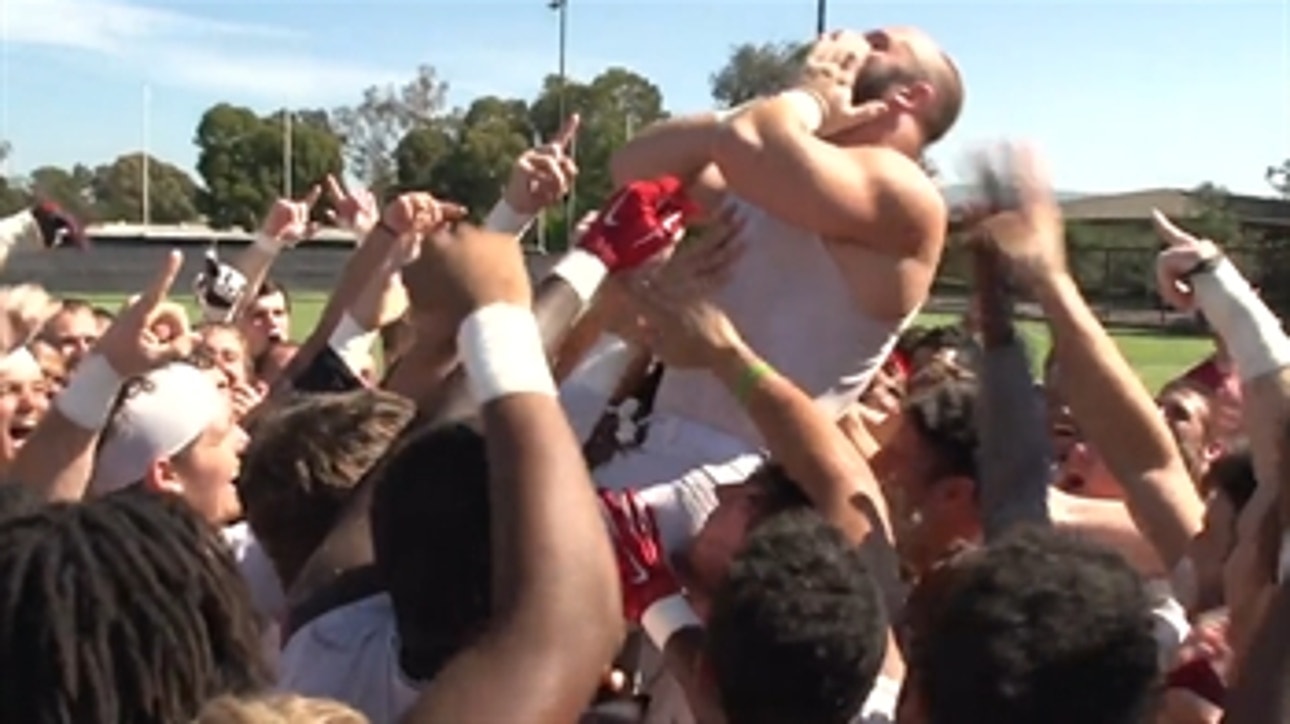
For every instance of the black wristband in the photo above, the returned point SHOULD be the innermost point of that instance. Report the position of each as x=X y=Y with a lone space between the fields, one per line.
x=1204 y=266
x=388 y=229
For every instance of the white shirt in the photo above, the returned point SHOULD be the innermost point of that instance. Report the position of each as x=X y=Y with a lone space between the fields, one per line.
x=267 y=597
x=350 y=654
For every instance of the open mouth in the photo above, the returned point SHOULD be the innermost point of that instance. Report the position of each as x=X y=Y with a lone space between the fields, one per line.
x=21 y=430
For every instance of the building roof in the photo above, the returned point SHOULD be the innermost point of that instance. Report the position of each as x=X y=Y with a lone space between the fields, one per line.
x=1137 y=206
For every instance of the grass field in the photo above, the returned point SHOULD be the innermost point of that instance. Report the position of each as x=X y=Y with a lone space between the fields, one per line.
x=1157 y=358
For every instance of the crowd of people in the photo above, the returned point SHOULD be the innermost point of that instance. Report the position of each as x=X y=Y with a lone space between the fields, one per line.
x=709 y=468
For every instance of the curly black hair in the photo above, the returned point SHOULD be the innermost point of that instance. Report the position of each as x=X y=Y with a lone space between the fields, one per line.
x=430 y=534
x=1039 y=627
x=798 y=630
x=127 y=608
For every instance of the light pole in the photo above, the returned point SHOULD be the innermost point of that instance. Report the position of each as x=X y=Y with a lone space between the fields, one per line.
x=286 y=153
x=562 y=7
x=821 y=10
x=144 y=163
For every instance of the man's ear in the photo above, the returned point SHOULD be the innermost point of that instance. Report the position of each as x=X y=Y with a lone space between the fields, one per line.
x=162 y=478
x=913 y=97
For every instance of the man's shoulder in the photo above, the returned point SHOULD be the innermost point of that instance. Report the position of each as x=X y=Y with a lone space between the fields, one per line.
x=905 y=187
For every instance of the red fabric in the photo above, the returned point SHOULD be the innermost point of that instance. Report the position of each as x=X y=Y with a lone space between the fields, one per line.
x=1206 y=374
x=1198 y=677
x=642 y=563
x=636 y=223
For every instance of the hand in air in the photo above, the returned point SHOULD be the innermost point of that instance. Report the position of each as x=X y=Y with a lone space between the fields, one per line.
x=1029 y=233
x=638 y=222
x=542 y=176
x=830 y=72
x=642 y=563
x=24 y=309
x=463 y=269
x=287 y=222
x=151 y=331
x=353 y=210
x=57 y=226
x=1184 y=254
x=418 y=212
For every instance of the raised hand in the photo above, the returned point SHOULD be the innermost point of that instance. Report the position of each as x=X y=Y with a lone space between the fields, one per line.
x=1029 y=231
x=24 y=309
x=642 y=563
x=287 y=222
x=1184 y=255
x=639 y=221
x=542 y=176
x=829 y=74
x=150 y=331
x=57 y=226
x=353 y=210
x=418 y=212
x=463 y=269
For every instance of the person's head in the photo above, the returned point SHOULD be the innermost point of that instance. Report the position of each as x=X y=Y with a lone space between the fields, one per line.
x=277 y=709
x=1231 y=483
x=127 y=608
x=174 y=432
x=921 y=85
x=305 y=463
x=268 y=319
x=104 y=317
x=73 y=330
x=24 y=399
x=431 y=539
x=929 y=466
x=52 y=365
x=740 y=508
x=224 y=345
x=1189 y=415
x=1037 y=627
x=931 y=345
x=797 y=631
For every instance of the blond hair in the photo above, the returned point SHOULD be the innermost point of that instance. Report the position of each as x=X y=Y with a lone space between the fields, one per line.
x=277 y=709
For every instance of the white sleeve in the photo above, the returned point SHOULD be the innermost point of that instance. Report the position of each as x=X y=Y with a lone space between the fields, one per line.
x=19 y=231
x=880 y=707
x=586 y=393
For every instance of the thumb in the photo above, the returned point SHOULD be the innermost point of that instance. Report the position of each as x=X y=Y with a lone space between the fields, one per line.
x=1168 y=231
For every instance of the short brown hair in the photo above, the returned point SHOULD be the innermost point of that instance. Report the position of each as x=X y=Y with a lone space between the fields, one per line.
x=304 y=463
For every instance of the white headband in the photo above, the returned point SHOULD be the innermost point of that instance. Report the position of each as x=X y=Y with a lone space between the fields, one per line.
x=176 y=405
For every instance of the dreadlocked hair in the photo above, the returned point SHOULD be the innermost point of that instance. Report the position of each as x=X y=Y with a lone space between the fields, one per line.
x=127 y=608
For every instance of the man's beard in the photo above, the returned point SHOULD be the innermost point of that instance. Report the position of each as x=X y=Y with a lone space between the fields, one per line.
x=877 y=78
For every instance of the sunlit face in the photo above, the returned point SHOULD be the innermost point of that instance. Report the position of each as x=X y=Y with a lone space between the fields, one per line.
x=228 y=350
x=1187 y=412
x=24 y=399
x=73 y=332
x=267 y=321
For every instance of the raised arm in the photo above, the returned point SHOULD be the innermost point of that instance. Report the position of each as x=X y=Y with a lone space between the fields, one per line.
x=1109 y=402
x=557 y=621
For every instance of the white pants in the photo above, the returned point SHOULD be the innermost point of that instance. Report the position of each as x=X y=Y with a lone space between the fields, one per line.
x=676 y=471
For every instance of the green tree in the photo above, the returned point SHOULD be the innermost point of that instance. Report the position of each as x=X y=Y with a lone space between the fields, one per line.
x=241 y=161
x=69 y=189
x=755 y=70
x=1279 y=177
x=1214 y=218
x=373 y=128
x=13 y=193
x=118 y=191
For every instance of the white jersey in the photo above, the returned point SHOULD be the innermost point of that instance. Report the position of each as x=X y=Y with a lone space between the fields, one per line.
x=792 y=304
x=267 y=597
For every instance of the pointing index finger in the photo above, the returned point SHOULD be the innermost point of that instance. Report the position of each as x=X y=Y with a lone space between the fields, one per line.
x=568 y=131
x=334 y=190
x=1167 y=230
x=311 y=198
x=161 y=282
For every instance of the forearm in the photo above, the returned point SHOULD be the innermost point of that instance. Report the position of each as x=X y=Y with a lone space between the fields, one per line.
x=1119 y=418
x=809 y=445
x=1262 y=692
x=680 y=147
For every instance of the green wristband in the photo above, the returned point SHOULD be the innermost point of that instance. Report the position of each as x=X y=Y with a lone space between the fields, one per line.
x=752 y=374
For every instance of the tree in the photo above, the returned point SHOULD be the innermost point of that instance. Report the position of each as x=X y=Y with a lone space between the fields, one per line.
x=241 y=161
x=373 y=129
x=118 y=191
x=1279 y=177
x=1215 y=218
x=756 y=70
x=485 y=140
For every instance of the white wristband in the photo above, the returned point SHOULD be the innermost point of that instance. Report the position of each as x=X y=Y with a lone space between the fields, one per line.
x=502 y=352
x=666 y=616
x=352 y=343
x=507 y=219
x=583 y=271
x=810 y=110
x=268 y=244
x=1254 y=336
x=87 y=400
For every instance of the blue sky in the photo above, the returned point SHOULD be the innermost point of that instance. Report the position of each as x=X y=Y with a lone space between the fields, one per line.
x=1120 y=95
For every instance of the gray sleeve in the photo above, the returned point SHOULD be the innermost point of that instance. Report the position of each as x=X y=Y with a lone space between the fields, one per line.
x=1013 y=455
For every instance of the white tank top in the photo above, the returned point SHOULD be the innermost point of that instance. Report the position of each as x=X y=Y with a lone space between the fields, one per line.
x=789 y=300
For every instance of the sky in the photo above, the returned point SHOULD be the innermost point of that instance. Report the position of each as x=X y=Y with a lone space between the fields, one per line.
x=1119 y=94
